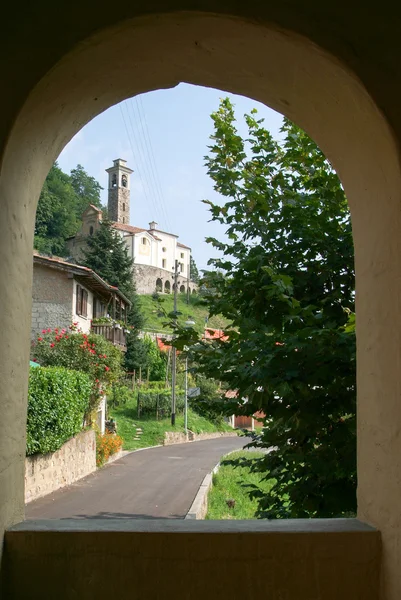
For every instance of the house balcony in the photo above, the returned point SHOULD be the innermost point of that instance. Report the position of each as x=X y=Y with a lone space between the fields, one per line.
x=112 y=333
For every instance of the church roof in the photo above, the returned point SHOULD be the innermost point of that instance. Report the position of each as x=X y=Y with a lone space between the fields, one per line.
x=183 y=246
x=133 y=229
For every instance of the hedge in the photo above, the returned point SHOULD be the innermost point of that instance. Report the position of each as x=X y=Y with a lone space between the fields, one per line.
x=57 y=401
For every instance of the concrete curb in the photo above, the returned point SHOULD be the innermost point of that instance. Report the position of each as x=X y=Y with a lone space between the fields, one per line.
x=199 y=506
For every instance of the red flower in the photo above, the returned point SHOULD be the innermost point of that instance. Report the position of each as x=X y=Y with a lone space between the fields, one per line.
x=44 y=331
x=35 y=360
x=106 y=368
x=49 y=330
x=40 y=339
x=52 y=345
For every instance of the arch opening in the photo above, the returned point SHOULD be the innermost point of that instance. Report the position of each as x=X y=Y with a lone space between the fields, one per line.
x=303 y=83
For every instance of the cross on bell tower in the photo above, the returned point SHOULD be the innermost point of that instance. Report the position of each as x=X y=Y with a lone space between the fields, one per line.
x=119 y=191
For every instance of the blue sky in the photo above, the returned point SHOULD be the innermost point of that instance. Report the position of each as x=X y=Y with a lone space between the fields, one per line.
x=163 y=135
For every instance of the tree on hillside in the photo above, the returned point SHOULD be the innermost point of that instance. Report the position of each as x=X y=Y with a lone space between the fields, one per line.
x=61 y=203
x=86 y=188
x=194 y=270
x=107 y=254
x=56 y=218
x=286 y=281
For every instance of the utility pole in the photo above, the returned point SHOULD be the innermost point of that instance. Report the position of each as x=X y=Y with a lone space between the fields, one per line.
x=186 y=397
x=174 y=351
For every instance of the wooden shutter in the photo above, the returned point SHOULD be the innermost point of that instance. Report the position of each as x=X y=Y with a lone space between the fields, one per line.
x=84 y=303
x=78 y=301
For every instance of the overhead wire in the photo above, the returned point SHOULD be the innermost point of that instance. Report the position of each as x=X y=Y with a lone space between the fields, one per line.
x=152 y=160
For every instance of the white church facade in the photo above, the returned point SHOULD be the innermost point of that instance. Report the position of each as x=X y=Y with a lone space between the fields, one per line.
x=154 y=252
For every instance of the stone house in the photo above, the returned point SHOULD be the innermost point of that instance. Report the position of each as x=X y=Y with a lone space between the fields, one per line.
x=63 y=293
x=154 y=252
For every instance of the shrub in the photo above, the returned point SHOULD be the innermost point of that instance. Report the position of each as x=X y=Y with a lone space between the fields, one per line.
x=119 y=394
x=72 y=349
x=106 y=445
x=57 y=401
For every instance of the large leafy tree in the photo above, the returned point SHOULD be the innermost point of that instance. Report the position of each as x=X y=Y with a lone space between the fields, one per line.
x=61 y=203
x=56 y=216
x=107 y=254
x=285 y=279
x=86 y=188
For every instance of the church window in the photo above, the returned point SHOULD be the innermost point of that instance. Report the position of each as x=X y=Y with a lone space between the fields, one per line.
x=123 y=220
x=124 y=181
x=182 y=255
x=144 y=241
x=91 y=230
x=114 y=181
x=123 y=206
x=164 y=263
x=164 y=249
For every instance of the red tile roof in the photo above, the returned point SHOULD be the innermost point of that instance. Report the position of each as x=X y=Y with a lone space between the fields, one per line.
x=183 y=246
x=215 y=334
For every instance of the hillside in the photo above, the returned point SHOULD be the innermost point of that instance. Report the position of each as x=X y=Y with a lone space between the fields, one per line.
x=195 y=309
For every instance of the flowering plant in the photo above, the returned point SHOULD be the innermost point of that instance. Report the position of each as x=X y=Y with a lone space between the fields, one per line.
x=73 y=349
x=106 y=445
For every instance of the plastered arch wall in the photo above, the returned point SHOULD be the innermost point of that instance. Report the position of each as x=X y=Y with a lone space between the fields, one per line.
x=292 y=76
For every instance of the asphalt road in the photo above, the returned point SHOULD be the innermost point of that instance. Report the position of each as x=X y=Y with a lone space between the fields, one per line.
x=154 y=483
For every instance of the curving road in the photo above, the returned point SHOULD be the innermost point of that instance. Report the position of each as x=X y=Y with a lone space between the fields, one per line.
x=154 y=483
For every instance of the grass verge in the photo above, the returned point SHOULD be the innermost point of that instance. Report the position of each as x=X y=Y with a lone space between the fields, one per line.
x=153 y=431
x=196 y=309
x=230 y=484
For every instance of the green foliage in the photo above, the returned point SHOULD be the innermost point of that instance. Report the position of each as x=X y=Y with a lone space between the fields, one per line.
x=232 y=482
x=194 y=270
x=61 y=204
x=107 y=254
x=155 y=402
x=156 y=360
x=86 y=188
x=208 y=403
x=58 y=399
x=89 y=353
x=155 y=319
x=286 y=282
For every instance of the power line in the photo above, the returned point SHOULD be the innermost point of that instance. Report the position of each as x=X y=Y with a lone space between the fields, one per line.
x=153 y=162
x=137 y=167
x=148 y=160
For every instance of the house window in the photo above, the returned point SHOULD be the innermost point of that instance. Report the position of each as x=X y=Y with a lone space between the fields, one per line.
x=182 y=255
x=164 y=261
x=81 y=307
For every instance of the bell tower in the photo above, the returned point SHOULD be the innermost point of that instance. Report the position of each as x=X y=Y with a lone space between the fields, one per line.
x=119 y=192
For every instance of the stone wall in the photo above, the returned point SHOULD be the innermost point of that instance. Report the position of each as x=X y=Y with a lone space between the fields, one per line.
x=174 y=437
x=51 y=299
x=146 y=277
x=45 y=473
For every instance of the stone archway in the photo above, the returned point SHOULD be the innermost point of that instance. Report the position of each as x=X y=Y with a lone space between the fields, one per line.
x=167 y=286
x=182 y=289
x=287 y=72
x=159 y=285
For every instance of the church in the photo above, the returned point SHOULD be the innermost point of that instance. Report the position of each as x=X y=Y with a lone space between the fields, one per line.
x=154 y=252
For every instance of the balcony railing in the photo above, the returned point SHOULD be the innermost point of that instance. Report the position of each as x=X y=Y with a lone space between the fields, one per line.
x=112 y=334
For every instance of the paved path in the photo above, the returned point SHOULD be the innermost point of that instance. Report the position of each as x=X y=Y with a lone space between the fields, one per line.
x=155 y=483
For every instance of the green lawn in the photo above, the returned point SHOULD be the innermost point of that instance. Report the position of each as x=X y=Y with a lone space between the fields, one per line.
x=195 y=309
x=153 y=431
x=229 y=483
